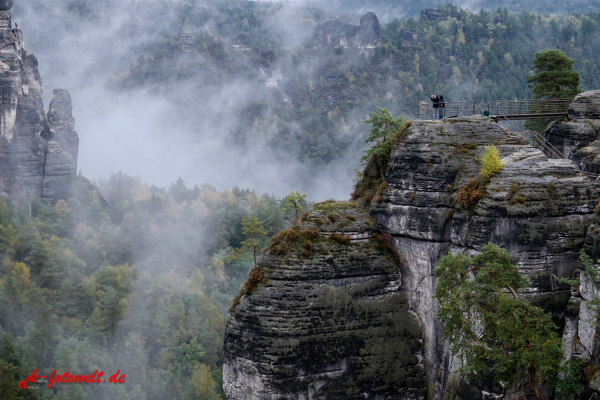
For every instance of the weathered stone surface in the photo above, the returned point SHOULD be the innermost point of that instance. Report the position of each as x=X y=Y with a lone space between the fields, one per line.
x=536 y=208
x=368 y=31
x=38 y=153
x=568 y=137
x=586 y=105
x=333 y=32
x=330 y=322
x=6 y=4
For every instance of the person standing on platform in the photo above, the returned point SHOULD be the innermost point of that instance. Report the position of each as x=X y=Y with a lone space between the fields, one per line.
x=436 y=104
x=442 y=107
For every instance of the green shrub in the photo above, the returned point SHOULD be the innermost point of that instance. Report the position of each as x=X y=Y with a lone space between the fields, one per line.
x=490 y=161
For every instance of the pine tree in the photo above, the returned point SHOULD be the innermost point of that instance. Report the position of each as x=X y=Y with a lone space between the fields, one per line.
x=293 y=201
x=553 y=77
x=254 y=231
x=480 y=313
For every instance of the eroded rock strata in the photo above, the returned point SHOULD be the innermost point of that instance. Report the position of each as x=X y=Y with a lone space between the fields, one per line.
x=330 y=321
x=38 y=153
x=538 y=209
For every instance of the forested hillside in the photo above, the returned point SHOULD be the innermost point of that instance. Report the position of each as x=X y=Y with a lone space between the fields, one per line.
x=245 y=78
x=143 y=285
x=322 y=94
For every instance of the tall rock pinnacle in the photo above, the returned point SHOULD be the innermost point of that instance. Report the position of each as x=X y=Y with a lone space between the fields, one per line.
x=37 y=157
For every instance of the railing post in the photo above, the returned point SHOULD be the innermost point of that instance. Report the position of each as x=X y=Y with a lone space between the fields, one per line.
x=473 y=107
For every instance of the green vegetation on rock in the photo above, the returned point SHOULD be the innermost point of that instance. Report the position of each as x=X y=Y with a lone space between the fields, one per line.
x=484 y=319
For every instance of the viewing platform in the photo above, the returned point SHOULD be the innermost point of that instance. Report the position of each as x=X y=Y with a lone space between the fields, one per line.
x=500 y=110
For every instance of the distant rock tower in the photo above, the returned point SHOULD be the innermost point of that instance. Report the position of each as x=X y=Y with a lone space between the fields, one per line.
x=333 y=32
x=38 y=155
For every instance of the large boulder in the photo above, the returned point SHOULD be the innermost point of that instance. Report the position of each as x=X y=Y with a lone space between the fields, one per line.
x=585 y=105
x=570 y=136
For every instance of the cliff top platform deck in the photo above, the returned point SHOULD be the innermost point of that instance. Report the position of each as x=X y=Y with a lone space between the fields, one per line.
x=502 y=109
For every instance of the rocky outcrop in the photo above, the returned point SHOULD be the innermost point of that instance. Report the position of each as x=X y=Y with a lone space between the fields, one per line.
x=328 y=319
x=299 y=335
x=536 y=208
x=333 y=32
x=368 y=31
x=37 y=153
x=586 y=105
x=62 y=146
x=568 y=137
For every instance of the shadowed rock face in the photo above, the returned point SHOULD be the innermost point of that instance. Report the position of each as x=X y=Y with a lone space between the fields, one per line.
x=333 y=32
x=586 y=105
x=62 y=146
x=329 y=323
x=37 y=153
x=537 y=209
x=368 y=32
x=568 y=137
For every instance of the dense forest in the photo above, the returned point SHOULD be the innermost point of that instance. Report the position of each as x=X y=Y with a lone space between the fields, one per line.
x=251 y=74
x=142 y=284
x=314 y=113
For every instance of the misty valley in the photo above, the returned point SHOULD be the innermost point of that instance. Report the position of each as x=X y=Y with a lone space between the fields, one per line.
x=251 y=200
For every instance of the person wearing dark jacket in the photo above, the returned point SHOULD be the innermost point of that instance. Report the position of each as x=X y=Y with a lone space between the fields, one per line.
x=442 y=107
x=436 y=104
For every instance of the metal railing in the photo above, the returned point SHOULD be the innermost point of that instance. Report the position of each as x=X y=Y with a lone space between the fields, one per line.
x=508 y=109
x=529 y=109
x=452 y=109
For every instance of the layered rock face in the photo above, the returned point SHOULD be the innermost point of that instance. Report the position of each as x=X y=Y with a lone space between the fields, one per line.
x=586 y=105
x=62 y=146
x=329 y=321
x=317 y=324
x=31 y=148
x=333 y=32
x=577 y=139
x=536 y=208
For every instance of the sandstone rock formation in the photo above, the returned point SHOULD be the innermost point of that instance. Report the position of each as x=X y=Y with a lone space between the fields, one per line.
x=333 y=32
x=568 y=137
x=37 y=155
x=369 y=32
x=538 y=209
x=586 y=105
x=62 y=146
x=329 y=322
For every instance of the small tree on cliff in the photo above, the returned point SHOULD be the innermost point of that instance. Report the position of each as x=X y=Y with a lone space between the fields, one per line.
x=293 y=201
x=553 y=76
x=382 y=132
x=254 y=231
x=484 y=319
